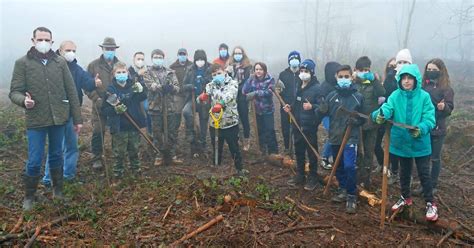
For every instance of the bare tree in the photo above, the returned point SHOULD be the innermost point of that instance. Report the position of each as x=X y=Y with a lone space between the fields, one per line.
x=407 y=30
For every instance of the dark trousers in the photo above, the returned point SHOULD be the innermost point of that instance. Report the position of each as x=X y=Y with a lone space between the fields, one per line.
x=198 y=141
x=302 y=148
x=231 y=137
x=266 y=133
x=243 y=110
x=99 y=120
x=436 y=148
x=365 y=163
x=285 y=128
x=346 y=171
x=167 y=149
x=423 y=168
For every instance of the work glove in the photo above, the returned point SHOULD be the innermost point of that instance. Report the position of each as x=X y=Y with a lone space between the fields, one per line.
x=137 y=87
x=251 y=95
x=120 y=108
x=168 y=88
x=380 y=119
x=187 y=87
x=203 y=98
x=217 y=108
x=279 y=86
x=415 y=133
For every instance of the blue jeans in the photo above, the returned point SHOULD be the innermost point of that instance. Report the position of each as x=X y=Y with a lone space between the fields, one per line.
x=36 y=143
x=327 y=152
x=266 y=133
x=346 y=171
x=71 y=154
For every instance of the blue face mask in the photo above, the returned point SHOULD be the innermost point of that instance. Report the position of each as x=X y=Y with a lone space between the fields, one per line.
x=219 y=78
x=294 y=63
x=238 y=57
x=366 y=75
x=223 y=53
x=344 y=83
x=121 y=77
x=182 y=58
x=158 y=62
x=109 y=55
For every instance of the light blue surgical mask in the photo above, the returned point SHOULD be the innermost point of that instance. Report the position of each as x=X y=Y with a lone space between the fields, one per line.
x=158 y=62
x=121 y=77
x=366 y=75
x=182 y=58
x=344 y=83
x=109 y=55
x=238 y=57
x=223 y=53
x=294 y=63
x=219 y=78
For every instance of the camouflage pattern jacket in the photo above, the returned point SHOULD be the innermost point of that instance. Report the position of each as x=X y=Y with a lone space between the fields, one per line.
x=155 y=79
x=225 y=93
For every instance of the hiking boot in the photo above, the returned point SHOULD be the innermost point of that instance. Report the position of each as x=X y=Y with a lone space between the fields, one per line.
x=326 y=164
x=242 y=173
x=351 y=204
x=297 y=180
x=431 y=211
x=97 y=164
x=402 y=202
x=57 y=181
x=311 y=184
x=341 y=196
x=246 y=144
x=176 y=161
x=418 y=191
x=30 y=183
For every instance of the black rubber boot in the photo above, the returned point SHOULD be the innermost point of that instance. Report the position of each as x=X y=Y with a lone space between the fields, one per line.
x=31 y=184
x=57 y=181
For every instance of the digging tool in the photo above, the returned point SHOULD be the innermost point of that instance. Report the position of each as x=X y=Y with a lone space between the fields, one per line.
x=254 y=114
x=347 y=134
x=216 y=137
x=193 y=101
x=386 y=158
x=296 y=125
x=114 y=101
x=290 y=140
x=355 y=113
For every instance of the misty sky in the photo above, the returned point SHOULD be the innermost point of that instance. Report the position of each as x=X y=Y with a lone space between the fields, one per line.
x=267 y=29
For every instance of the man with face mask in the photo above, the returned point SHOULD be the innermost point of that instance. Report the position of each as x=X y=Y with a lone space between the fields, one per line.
x=196 y=79
x=286 y=85
x=101 y=70
x=83 y=81
x=181 y=67
x=163 y=86
x=42 y=84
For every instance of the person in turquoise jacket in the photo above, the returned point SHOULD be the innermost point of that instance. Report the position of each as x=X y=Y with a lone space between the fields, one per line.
x=411 y=105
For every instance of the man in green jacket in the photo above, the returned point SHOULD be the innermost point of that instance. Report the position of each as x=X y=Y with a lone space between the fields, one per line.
x=43 y=85
x=101 y=68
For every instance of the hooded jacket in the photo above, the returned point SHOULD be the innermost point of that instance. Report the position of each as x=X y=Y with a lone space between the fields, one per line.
x=330 y=80
x=437 y=95
x=412 y=108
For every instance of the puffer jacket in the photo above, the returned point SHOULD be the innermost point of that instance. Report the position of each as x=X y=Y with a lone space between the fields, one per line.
x=50 y=85
x=412 y=108
x=307 y=119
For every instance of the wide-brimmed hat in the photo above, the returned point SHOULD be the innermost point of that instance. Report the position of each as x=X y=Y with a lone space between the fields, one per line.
x=109 y=42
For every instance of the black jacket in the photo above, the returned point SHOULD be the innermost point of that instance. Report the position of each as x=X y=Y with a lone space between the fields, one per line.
x=438 y=94
x=351 y=100
x=290 y=80
x=118 y=122
x=330 y=80
x=198 y=78
x=307 y=119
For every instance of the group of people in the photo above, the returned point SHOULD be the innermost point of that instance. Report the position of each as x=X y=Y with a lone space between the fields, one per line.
x=353 y=104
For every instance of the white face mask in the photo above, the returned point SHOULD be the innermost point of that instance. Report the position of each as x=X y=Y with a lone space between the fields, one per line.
x=304 y=76
x=140 y=63
x=43 y=46
x=200 y=63
x=70 y=56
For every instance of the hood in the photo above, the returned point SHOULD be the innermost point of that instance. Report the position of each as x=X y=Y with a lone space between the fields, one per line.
x=412 y=70
x=330 y=72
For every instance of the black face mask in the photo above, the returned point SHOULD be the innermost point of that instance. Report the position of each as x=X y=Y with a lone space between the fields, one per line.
x=432 y=75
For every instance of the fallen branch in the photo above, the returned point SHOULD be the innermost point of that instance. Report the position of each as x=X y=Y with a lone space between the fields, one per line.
x=17 y=225
x=443 y=203
x=303 y=227
x=464 y=164
x=447 y=235
x=167 y=212
x=199 y=230
x=279 y=176
x=301 y=206
x=32 y=239
x=33 y=230
x=405 y=242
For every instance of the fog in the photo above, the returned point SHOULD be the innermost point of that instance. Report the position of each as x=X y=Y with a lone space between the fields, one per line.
x=327 y=30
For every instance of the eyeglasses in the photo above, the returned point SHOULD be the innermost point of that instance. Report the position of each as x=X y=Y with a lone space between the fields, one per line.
x=344 y=76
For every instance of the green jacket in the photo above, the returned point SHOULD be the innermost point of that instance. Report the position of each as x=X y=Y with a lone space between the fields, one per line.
x=52 y=88
x=412 y=108
x=371 y=91
x=101 y=67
